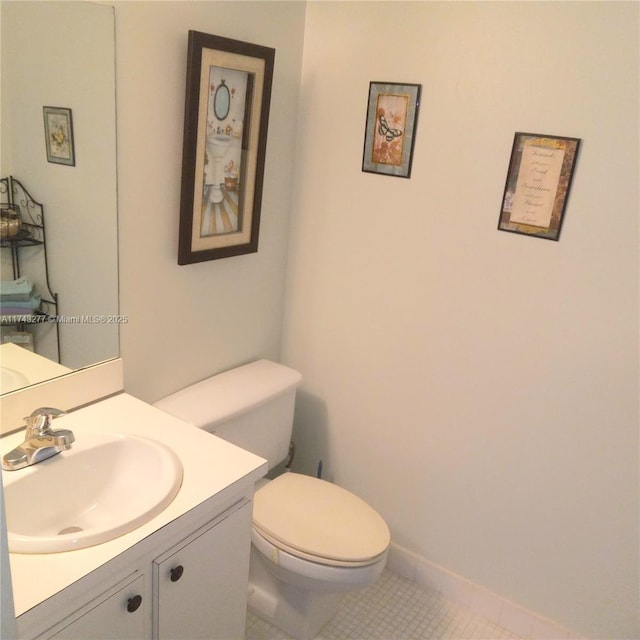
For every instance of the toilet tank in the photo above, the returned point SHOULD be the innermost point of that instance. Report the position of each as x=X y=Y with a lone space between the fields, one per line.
x=250 y=406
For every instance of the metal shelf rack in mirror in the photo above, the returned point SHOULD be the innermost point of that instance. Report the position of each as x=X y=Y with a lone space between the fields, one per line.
x=28 y=231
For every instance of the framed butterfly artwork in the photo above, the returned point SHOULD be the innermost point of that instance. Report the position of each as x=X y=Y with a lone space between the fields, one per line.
x=390 y=132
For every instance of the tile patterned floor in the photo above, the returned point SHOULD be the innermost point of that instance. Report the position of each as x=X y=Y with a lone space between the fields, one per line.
x=394 y=609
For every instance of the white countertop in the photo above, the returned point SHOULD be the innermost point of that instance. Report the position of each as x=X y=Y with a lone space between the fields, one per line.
x=210 y=466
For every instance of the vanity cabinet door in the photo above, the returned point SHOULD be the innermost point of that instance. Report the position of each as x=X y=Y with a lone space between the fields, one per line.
x=118 y=613
x=200 y=585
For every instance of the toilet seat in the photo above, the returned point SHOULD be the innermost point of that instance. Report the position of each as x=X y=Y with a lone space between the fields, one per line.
x=313 y=575
x=318 y=521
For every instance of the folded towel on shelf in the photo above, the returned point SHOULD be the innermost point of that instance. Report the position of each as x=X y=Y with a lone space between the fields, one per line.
x=20 y=289
x=20 y=307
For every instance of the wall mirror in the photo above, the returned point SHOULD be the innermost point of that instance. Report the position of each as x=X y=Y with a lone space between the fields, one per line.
x=222 y=101
x=61 y=53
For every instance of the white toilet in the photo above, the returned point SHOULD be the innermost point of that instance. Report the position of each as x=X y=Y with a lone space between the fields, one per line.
x=312 y=540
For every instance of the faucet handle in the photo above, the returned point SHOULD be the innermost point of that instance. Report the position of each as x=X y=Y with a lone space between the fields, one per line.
x=39 y=421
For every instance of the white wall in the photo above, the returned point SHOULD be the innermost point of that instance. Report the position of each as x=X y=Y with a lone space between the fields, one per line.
x=478 y=387
x=189 y=322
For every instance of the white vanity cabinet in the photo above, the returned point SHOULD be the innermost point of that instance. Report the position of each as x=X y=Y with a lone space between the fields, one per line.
x=200 y=586
x=194 y=588
x=118 y=613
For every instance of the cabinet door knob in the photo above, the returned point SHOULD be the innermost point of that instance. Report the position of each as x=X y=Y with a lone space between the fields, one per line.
x=176 y=573
x=133 y=603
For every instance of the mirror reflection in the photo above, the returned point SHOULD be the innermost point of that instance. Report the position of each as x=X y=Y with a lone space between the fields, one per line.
x=59 y=57
x=222 y=101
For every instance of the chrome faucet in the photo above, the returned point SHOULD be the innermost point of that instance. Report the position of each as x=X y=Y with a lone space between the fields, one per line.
x=40 y=441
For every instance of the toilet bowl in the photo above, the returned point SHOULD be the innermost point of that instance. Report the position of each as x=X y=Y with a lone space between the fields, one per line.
x=312 y=541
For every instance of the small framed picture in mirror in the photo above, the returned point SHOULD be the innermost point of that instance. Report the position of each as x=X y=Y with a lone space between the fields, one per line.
x=58 y=135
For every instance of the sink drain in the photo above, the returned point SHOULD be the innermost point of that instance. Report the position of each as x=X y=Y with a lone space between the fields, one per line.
x=69 y=530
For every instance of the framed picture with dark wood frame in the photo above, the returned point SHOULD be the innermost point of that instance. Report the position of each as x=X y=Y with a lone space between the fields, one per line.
x=390 y=131
x=537 y=186
x=228 y=95
x=58 y=135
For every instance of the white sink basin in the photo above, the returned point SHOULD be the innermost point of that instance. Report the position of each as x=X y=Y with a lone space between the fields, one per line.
x=10 y=380
x=103 y=487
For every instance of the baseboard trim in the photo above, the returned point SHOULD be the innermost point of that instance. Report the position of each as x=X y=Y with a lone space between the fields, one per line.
x=480 y=600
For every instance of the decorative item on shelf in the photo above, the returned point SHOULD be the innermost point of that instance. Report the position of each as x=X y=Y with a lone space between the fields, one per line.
x=10 y=221
x=19 y=301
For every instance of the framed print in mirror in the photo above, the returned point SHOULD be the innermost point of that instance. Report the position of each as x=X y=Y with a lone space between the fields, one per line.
x=537 y=186
x=58 y=135
x=392 y=118
x=228 y=95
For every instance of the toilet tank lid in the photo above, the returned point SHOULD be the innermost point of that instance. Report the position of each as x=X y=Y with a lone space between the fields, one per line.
x=230 y=393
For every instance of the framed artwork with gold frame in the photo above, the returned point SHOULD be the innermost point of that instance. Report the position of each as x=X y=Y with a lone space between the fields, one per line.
x=538 y=182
